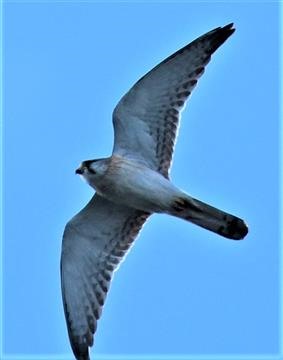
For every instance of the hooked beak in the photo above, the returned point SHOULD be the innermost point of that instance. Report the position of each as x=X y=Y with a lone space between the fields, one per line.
x=80 y=171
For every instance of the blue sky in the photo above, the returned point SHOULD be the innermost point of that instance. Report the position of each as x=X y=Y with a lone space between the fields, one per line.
x=181 y=290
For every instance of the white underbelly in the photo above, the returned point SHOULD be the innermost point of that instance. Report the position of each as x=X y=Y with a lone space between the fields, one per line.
x=139 y=187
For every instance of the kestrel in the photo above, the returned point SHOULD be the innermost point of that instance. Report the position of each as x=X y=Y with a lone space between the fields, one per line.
x=132 y=184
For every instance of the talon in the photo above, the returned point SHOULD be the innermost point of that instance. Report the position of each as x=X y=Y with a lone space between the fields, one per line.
x=180 y=204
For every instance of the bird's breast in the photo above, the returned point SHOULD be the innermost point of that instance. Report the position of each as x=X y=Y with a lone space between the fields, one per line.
x=135 y=185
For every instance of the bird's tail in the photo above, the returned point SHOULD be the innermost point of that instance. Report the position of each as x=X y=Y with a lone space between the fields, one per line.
x=208 y=217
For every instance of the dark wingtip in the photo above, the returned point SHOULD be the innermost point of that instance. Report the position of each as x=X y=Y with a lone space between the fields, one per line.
x=82 y=355
x=228 y=26
x=80 y=349
x=220 y=35
x=229 y=29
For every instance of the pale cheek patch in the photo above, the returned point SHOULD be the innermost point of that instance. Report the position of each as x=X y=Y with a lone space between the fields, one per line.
x=84 y=179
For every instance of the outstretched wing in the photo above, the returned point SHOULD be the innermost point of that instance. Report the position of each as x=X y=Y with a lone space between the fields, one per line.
x=94 y=242
x=146 y=118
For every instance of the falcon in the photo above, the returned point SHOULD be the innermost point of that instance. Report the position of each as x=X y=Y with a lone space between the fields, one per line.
x=132 y=184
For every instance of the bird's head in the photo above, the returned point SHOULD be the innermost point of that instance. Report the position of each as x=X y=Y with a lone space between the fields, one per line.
x=92 y=170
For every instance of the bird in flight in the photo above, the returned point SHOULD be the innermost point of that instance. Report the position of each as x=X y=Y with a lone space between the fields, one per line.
x=134 y=183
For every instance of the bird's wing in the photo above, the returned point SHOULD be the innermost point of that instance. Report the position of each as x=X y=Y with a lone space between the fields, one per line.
x=146 y=118
x=94 y=242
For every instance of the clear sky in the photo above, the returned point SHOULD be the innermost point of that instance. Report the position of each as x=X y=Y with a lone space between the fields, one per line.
x=181 y=289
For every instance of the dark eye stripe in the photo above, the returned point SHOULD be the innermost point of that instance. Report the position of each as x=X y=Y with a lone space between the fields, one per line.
x=91 y=170
x=87 y=163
